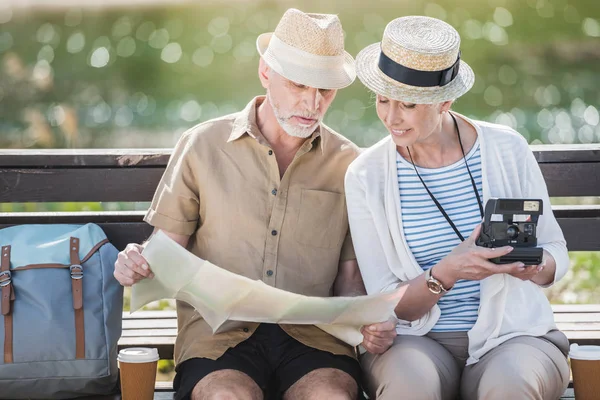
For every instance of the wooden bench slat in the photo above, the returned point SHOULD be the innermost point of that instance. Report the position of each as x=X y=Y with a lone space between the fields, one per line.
x=582 y=327
x=148 y=332
x=575 y=308
x=561 y=183
x=94 y=184
x=154 y=323
x=579 y=327
x=116 y=158
x=577 y=317
x=580 y=224
x=566 y=153
x=146 y=315
x=103 y=175
x=544 y=153
x=139 y=184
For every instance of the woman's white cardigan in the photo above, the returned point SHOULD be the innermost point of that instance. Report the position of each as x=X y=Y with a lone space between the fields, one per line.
x=509 y=307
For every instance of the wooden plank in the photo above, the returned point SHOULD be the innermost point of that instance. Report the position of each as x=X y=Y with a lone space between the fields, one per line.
x=590 y=320
x=61 y=158
x=163 y=314
x=579 y=326
x=572 y=179
x=163 y=386
x=165 y=345
x=577 y=317
x=164 y=395
x=579 y=308
x=139 y=184
x=566 y=153
x=152 y=324
x=546 y=153
x=149 y=332
x=580 y=224
x=581 y=234
x=132 y=175
x=78 y=184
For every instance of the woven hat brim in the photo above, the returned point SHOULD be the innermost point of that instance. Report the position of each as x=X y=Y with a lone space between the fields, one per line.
x=371 y=76
x=307 y=74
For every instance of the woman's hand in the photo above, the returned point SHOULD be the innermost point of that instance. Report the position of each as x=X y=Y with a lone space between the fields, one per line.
x=471 y=262
x=542 y=274
x=529 y=272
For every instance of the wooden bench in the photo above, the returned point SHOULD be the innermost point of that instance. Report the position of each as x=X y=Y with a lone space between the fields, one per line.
x=132 y=176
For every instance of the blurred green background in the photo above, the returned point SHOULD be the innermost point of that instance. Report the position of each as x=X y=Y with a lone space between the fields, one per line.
x=102 y=76
x=139 y=75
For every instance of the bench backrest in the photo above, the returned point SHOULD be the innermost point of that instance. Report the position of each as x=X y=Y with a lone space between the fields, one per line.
x=132 y=176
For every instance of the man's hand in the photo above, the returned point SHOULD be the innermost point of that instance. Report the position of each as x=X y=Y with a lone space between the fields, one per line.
x=131 y=267
x=377 y=338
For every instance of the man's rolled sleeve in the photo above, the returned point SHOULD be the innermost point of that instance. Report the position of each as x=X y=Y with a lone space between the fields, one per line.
x=176 y=202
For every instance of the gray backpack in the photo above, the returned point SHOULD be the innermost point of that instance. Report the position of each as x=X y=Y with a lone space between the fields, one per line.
x=61 y=312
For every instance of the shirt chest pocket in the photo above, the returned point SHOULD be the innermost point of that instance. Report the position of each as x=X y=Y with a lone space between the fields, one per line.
x=321 y=219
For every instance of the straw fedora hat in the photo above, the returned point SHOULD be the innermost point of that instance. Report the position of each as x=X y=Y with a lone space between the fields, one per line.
x=418 y=61
x=308 y=49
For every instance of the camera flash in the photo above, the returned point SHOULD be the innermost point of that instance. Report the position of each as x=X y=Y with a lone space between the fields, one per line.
x=531 y=206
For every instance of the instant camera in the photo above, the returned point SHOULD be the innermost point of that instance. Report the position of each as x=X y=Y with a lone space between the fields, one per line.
x=512 y=222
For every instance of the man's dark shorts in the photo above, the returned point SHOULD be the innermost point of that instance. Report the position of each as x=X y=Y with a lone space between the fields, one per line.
x=272 y=358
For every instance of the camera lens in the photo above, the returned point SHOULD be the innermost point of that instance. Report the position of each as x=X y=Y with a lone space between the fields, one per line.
x=512 y=232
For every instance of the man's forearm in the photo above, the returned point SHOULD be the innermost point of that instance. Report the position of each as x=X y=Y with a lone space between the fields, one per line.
x=349 y=282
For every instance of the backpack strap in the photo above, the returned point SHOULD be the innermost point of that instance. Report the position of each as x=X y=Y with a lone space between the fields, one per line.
x=77 y=289
x=8 y=295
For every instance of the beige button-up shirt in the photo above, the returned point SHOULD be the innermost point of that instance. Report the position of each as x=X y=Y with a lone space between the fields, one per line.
x=222 y=186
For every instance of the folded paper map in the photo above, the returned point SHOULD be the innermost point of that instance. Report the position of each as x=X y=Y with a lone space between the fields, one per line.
x=221 y=296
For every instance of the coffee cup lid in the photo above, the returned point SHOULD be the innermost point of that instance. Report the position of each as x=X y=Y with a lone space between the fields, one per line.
x=584 y=352
x=138 y=355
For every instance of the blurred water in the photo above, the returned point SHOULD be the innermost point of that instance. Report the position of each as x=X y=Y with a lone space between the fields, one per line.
x=139 y=76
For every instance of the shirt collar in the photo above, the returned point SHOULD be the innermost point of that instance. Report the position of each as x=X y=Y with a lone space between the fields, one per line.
x=245 y=123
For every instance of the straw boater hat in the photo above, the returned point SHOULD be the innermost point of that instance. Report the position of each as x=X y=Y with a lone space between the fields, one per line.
x=308 y=49
x=418 y=61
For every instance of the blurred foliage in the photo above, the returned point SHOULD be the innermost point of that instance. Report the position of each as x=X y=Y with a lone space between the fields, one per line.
x=74 y=206
x=166 y=370
x=138 y=77
x=580 y=285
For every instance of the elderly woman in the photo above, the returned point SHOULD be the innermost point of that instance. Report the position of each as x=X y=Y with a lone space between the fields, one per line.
x=468 y=326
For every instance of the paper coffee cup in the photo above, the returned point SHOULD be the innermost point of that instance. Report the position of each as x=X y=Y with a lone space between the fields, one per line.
x=138 y=373
x=585 y=363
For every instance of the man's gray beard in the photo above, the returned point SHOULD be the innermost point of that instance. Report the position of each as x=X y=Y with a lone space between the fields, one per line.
x=290 y=129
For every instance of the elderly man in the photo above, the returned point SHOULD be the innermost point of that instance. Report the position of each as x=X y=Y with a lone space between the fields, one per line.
x=260 y=193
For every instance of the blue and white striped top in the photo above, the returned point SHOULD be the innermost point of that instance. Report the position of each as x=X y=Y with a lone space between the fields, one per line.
x=429 y=235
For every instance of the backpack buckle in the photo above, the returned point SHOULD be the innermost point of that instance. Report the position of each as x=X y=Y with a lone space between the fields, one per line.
x=76 y=271
x=5 y=278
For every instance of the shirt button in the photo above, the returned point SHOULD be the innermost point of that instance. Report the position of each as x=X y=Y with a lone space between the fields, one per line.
x=270 y=273
x=270 y=152
x=274 y=192
x=274 y=233
x=246 y=330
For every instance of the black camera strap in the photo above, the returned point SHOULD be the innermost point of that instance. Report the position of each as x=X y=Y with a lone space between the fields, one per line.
x=437 y=203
